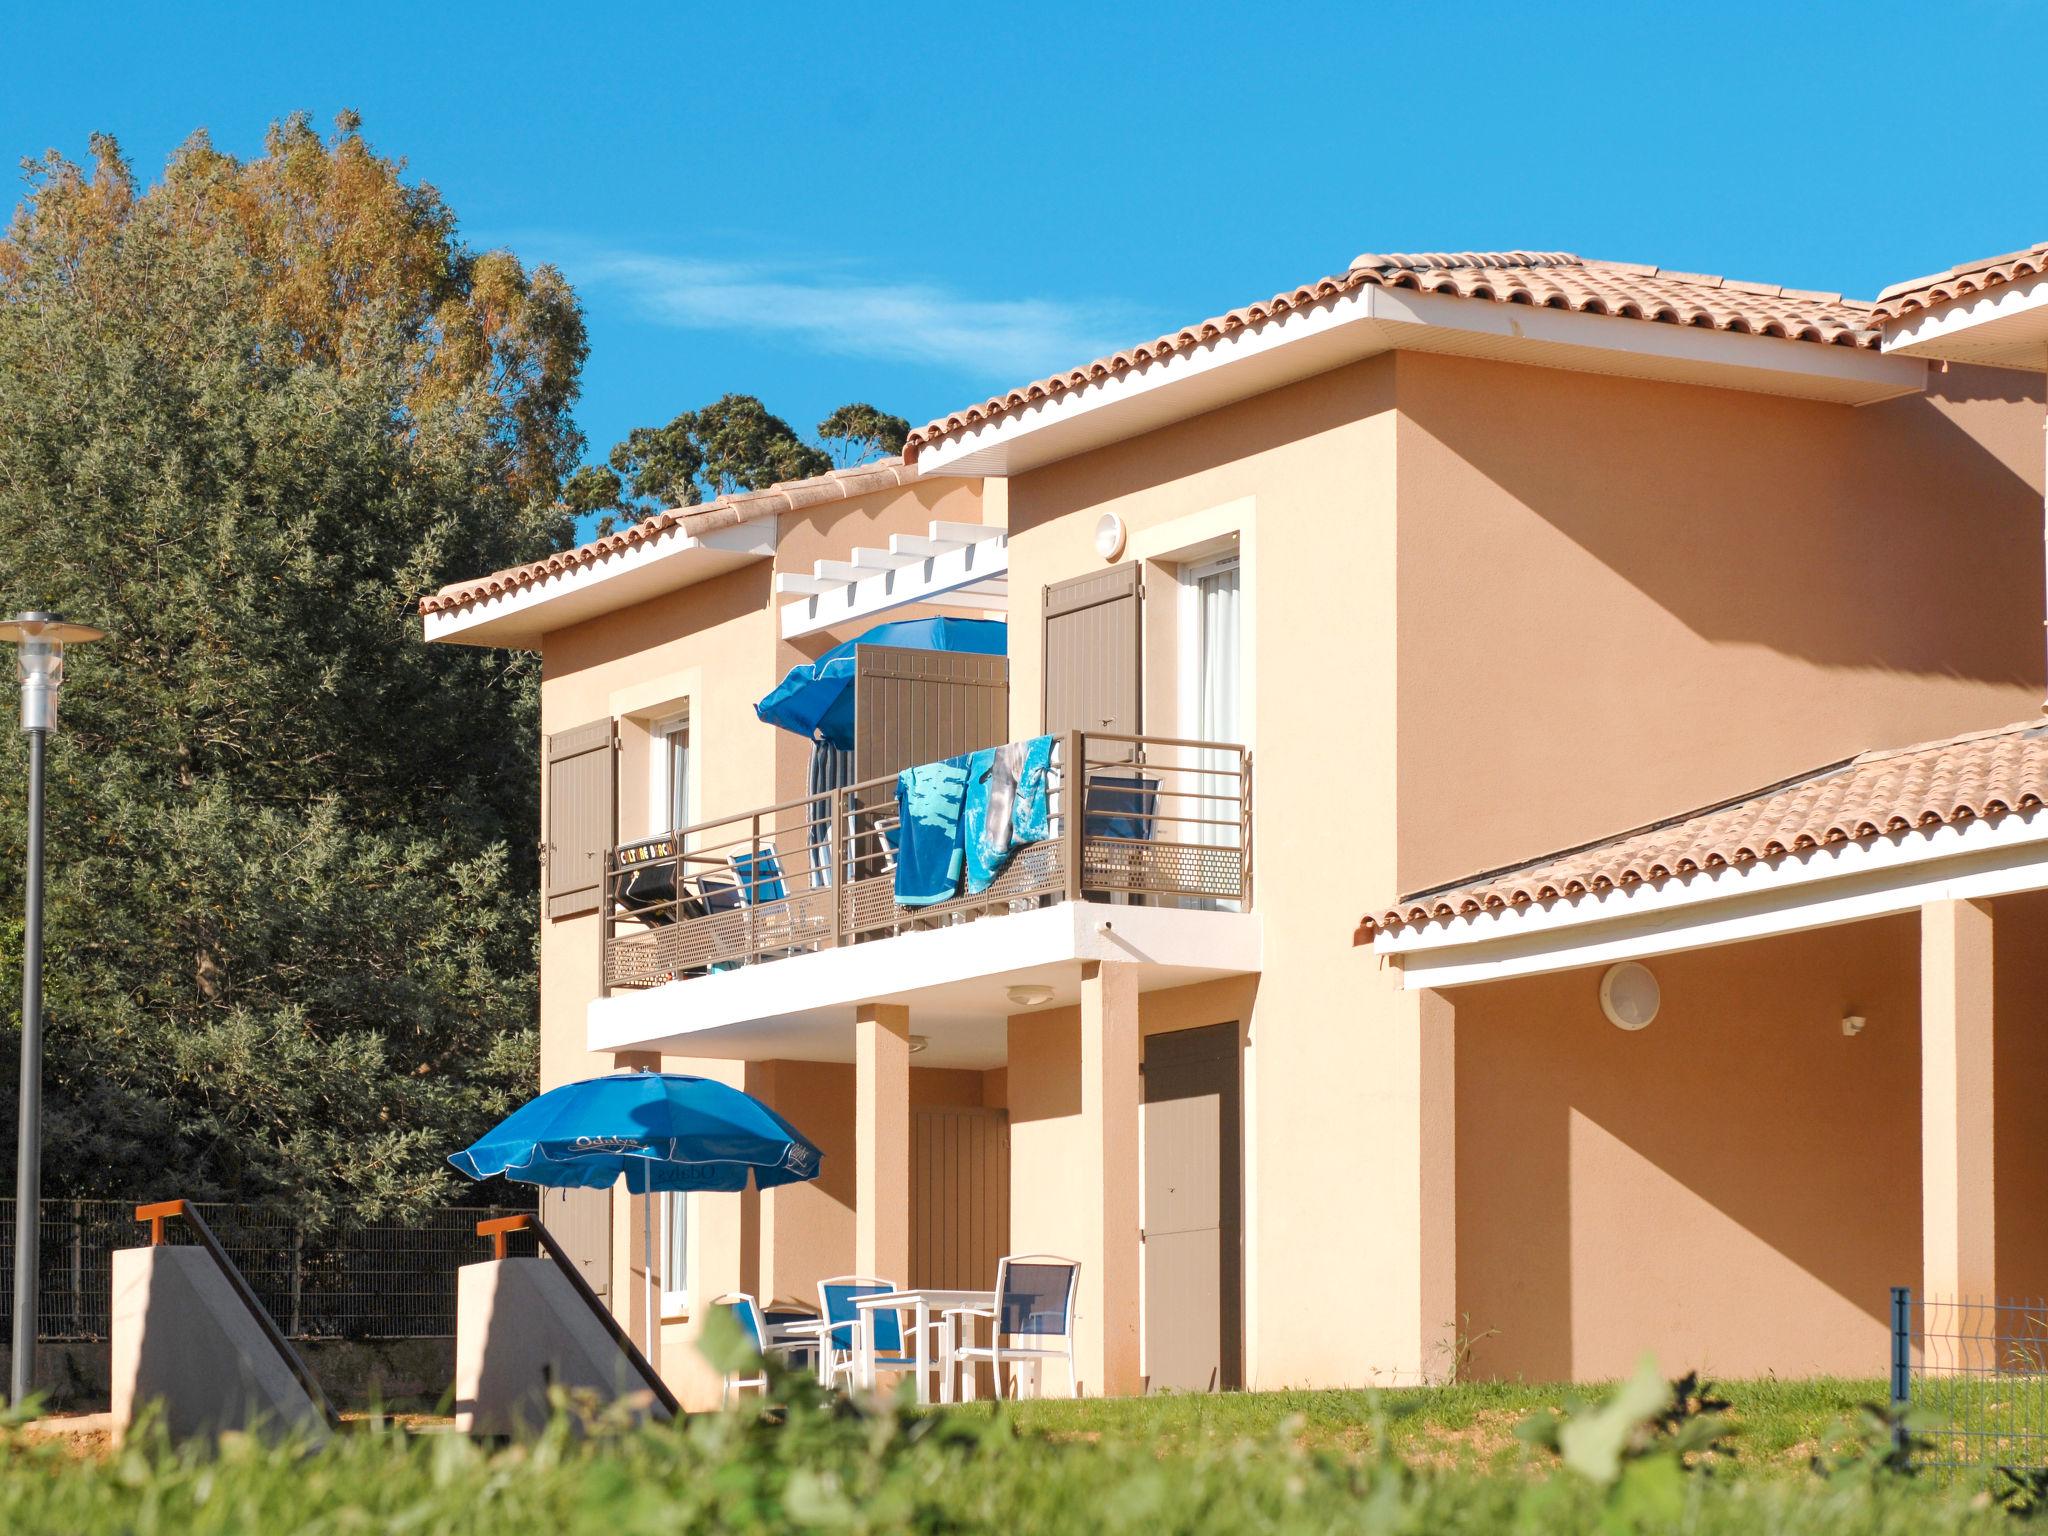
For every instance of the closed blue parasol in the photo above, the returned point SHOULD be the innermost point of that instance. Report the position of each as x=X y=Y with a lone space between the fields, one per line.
x=816 y=699
x=662 y=1130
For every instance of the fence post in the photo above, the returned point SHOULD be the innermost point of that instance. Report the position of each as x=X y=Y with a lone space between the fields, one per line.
x=1902 y=1360
x=298 y=1268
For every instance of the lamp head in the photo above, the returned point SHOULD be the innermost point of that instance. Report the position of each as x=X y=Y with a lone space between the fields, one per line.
x=39 y=639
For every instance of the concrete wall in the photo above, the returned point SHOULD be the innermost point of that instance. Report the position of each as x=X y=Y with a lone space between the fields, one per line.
x=184 y=1343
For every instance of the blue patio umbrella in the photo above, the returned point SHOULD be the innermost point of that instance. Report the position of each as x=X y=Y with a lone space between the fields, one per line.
x=816 y=699
x=662 y=1131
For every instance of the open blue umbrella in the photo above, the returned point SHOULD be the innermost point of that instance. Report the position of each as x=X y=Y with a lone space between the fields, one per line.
x=661 y=1130
x=816 y=699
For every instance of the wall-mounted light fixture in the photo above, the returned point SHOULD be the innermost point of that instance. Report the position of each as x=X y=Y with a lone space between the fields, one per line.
x=1629 y=995
x=1109 y=536
x=1852 y=1024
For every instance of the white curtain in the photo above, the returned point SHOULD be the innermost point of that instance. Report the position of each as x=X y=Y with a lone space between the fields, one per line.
x=1216 y=706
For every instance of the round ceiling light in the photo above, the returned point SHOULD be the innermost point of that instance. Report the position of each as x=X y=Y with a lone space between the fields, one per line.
x=918 y=1043
x=1629 y=995
x=1109 y=536
x=1030 y=995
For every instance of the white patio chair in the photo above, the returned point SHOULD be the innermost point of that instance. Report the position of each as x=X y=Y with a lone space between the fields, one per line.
x=1033 y=1312
x=837 y=1330
x=747 y=1313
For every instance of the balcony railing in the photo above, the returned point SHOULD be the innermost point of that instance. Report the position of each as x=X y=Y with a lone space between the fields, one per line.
x=1162 y=822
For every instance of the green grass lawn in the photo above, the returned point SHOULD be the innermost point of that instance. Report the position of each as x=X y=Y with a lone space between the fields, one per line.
x=1235 y=1465
x=1779 y=1424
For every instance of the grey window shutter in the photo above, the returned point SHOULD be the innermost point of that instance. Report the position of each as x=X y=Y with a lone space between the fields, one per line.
x=1093 y=652
x=583 y=788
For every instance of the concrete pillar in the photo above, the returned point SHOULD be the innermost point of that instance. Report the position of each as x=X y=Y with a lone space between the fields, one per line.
x=1958 y=1212
x=881 y=1142
x=1109 y=1301
x=1437 y=1131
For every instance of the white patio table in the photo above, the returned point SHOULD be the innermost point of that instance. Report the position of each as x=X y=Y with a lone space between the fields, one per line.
x=921 y=1305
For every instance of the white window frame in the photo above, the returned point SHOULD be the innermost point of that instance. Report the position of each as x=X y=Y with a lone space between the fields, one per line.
x=661 y=735
x=675 y=1253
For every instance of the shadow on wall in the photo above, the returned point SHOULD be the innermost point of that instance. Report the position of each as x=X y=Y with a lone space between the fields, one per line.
x=1734 y=1187
x=1750 y=519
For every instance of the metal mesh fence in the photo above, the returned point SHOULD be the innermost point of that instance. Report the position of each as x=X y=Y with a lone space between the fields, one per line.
x=368 y=1280
x=1974 y=1373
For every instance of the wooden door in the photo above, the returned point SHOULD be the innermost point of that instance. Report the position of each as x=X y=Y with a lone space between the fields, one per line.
x=959 y=1197
x=1193 y=1203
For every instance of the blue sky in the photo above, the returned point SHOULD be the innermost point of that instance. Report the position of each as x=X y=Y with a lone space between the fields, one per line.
x=920 y=207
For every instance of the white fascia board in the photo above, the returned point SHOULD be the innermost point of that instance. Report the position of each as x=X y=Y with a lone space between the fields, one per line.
x=980 y=569
x=1815 y=888
x=670 y=560
x=1369 y=321
x=899 y=967
x=2004 y=327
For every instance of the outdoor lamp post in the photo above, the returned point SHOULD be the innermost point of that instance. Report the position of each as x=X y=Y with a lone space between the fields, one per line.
x=39 y=640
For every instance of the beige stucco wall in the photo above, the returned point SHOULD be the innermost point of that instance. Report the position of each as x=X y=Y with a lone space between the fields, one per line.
x=1734 y=1187
x=1493 y=610
x=2020 y=1056
x=1621 y=601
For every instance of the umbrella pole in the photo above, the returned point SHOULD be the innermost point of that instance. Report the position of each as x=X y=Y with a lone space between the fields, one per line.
x=647 y=1268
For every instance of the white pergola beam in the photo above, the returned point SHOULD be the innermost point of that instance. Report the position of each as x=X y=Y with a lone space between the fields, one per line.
x=957 y=565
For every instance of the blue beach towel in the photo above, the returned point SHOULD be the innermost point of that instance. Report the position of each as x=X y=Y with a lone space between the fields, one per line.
x=1006 y=807
x=928 y=851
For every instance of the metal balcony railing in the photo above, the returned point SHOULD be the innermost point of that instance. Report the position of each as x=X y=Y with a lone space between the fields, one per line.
x=1162 y=822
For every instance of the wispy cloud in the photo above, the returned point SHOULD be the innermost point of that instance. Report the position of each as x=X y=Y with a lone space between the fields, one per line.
x=843 y=311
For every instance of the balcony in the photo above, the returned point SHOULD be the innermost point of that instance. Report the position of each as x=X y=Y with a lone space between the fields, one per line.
x=1161 y=822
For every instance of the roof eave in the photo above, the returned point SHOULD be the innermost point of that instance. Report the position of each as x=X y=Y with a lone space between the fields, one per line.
x=1368 y=321
x=1977 y=858
x=519 y=616
x=2003 y=326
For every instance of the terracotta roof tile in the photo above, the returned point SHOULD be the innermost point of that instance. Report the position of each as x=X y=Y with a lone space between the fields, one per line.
x=1545 y=279
x=727 y=512
x=1958 y=282
x=1985 y=774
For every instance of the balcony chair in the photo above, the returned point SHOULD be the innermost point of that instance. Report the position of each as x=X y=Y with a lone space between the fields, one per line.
x=1035 y=1305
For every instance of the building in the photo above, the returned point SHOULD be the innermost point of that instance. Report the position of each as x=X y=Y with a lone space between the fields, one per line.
x=1422 y=569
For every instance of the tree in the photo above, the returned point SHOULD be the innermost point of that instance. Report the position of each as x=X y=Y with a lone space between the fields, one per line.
x=746 y=447
x=733 y=444
x=661 y=464
x=250 y=414
x=855 y=433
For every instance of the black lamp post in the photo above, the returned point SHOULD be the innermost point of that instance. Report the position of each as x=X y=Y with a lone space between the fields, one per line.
x=39 y=640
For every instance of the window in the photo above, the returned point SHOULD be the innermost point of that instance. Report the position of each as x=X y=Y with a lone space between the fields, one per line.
x=1211 y=690
x=668 y=799
x=1210 y=631
x=675 y=1253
